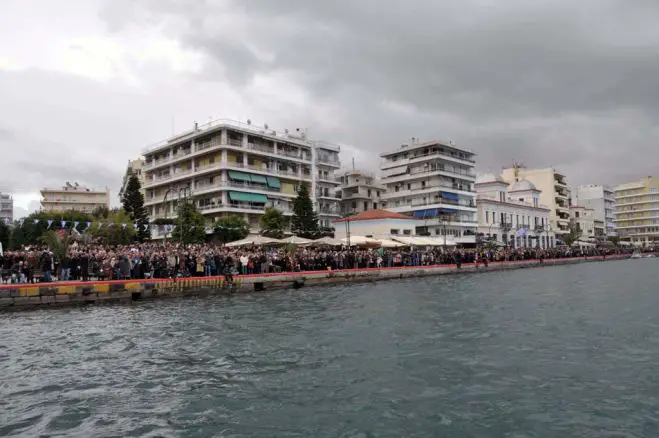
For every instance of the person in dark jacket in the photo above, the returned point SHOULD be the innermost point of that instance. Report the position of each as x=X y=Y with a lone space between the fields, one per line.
x=124 y=269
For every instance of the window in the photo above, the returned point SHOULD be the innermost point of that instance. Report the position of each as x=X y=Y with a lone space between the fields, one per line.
x=354 y=205
x=487 y=217
x=407 y=232
x=393 y=231
x=369 y=193
x=365 y=205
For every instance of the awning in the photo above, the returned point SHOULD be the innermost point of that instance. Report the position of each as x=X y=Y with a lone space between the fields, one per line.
x=426 y=214
x=259 y=179
x=239 y=176
x=248 y=197
x=274 y=182
x=450 y=196
x=400 y=170
x=447 y=210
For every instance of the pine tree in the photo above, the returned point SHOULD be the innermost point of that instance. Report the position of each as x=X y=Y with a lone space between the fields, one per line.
x=190 y=224
x=133 y=203
x=272 y=223
x=304 y=222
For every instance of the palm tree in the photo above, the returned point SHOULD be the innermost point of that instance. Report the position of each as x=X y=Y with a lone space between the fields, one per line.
x=59 y=246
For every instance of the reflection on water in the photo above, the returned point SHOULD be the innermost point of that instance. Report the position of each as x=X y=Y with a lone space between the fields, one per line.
x=552 y=352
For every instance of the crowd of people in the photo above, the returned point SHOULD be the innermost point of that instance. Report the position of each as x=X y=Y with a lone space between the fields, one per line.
x=172 y=260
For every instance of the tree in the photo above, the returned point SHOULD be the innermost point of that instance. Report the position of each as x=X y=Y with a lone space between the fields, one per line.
x=101 y=212
x=228 y=229
x=116 y=229
x=133 y=203
x=58 y=243
x=614 y=239
x=304 y=222
x=29 y=230
x=573 y=234
x=190 y=224
x=5 y=235
x=272 y=223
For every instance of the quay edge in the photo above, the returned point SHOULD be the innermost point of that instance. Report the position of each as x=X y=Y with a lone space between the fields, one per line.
x=15 y=297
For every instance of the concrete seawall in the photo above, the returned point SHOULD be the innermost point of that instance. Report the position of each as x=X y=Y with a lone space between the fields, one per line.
x=50 y=295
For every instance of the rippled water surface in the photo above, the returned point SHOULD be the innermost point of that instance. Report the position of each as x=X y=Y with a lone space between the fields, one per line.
x=551 y=352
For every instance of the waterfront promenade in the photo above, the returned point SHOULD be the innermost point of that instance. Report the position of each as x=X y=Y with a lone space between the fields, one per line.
x=48 y=295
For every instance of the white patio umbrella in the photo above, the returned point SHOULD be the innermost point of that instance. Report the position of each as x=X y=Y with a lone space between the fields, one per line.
x=255 y=240
x=327 y=241
x=297 y=240
x=386 y=243
x=361 y=241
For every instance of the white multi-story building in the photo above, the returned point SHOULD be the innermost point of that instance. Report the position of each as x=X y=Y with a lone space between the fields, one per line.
x=602 y=200
x=554 y=193
x=134 y=167
x=512 y=214
x=432 y=181
x=231 y=168
x=6 y=208
x=359 y=191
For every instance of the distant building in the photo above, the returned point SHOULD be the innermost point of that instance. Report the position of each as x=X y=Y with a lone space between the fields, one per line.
x=134 y=167
x=636 y=211
x=359 y=191
x=74 y=197
x=601 y=199
x=6 y=208
x=554 y=193
x=376 y=224
x=584 y=219
x=231 y=168
x=512 y=215
x=432 y=181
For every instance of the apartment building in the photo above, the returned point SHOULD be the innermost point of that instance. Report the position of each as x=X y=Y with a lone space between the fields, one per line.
x=554 y=193
x=359 y=191
x=233 y=168
x=432 y=181
x=584 y=221
x=601 y=199
x=6 y=208
x=637 y=211
x=511 y=214
x=134 y=168
x=74 y=197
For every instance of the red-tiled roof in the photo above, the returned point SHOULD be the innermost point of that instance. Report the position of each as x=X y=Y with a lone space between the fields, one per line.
x=369 y=215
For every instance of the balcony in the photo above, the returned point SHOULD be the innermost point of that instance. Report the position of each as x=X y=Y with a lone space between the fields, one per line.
x=433 y=154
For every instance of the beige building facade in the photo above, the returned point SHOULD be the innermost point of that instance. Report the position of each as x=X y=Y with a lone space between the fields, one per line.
x=134 y=167
x=554 y=193
x=359 y=191
x=74 y=197
x=637 y=211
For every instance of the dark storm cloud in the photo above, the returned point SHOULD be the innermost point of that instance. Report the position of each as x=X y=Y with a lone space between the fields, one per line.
x=558 y=82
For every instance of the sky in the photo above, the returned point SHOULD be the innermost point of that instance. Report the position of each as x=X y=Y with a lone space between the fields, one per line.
x=86 y=85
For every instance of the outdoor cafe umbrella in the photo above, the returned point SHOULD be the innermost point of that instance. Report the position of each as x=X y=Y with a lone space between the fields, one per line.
x=255 y=240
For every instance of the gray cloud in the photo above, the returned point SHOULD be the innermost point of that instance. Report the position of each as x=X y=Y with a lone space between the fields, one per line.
x=558 y=83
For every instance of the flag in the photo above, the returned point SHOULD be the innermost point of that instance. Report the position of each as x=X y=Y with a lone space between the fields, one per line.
x=89 y=224
x=36 y=221
x=50 y=222
x=63 y=223
x=75 y=224
x=136 y=226
x=100 y=225
x=146 y=227
x=123 y=226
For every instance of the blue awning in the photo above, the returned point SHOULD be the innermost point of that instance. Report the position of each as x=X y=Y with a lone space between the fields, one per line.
x=259 y=179
x=450 y=196
x=426 y=214
x=273 y=182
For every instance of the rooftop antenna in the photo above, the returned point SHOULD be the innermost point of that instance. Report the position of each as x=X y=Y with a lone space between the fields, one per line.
x=516 y=166
x=353 y=163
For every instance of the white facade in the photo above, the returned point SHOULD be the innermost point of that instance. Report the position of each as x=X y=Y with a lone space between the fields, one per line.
x=231 y=168
x=434 y=182
x=511 y=214
x=584 y=219
x=601 y=199
x=359 y=191
x=6 y=208
x=134 y=167
x=377 y=228
x=74 y=197
x=554 y=192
